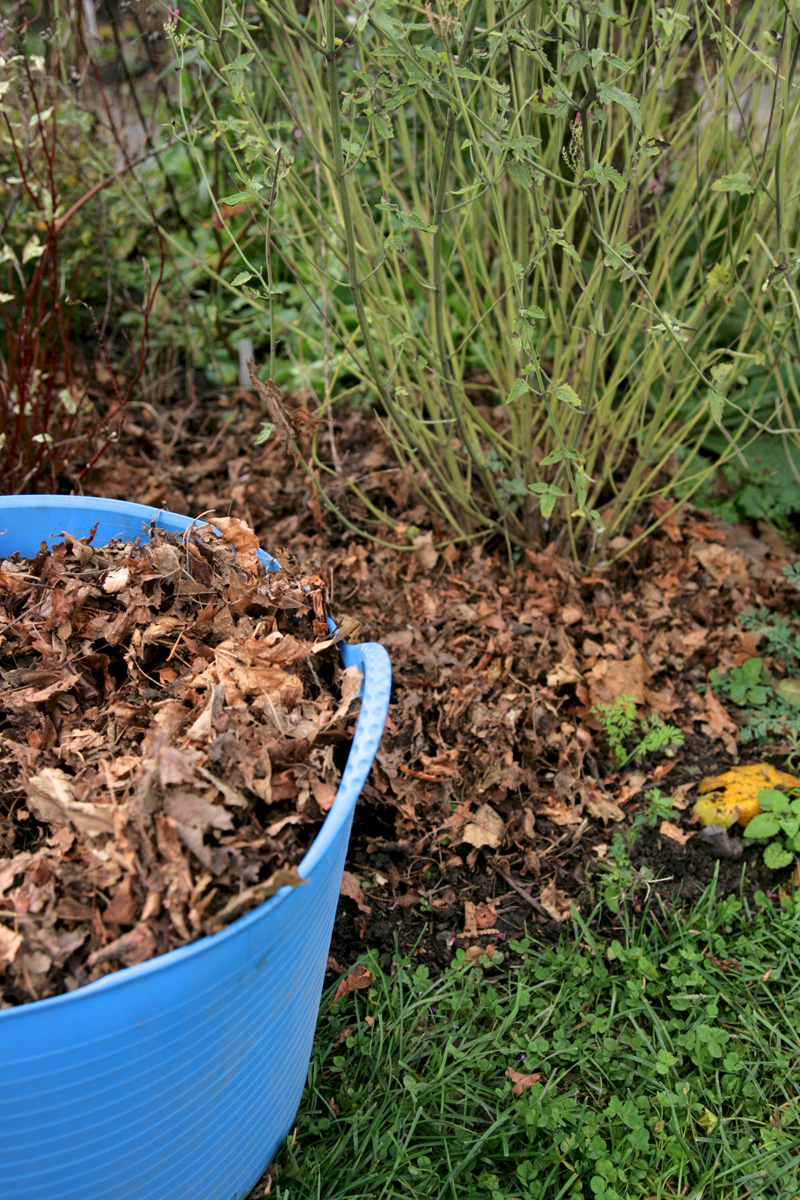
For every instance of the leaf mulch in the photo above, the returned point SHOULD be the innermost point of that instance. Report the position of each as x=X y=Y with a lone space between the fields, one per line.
x=170 y=717
x=493 y=799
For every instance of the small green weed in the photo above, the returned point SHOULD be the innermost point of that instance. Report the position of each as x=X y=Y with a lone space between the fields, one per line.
x=618 y=877
x=648 y=1066
x=620 y=725
x=772 y=705
x=778 y=823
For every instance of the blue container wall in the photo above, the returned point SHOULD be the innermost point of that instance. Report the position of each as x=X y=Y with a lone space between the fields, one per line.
x=177 y=1079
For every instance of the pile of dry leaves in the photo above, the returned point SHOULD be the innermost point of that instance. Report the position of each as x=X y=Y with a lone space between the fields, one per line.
x=170 y=713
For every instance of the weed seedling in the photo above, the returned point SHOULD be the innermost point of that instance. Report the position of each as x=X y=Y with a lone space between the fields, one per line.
x=779 y=824
x=772 y=711
x=620 y=725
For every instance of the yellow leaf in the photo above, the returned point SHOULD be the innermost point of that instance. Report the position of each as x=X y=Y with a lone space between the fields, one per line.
x=733 y=795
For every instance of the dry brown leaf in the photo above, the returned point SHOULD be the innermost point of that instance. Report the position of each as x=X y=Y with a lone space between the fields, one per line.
x=522 y=1081
x=486 y=829
x=283 y=877
x=570 y=614
x=248 y=670
x=611 y=678
x=602 y=807
x=124 y=907
x=355 y=981
x=351 y=888
x=556 y=902
x=674 y=832
x=346 y=630
x=51 y=798
x=244 y=541
x=559 y=812
x=10 y=943
x=116 y=581
x=324 y=794
x=718 y=724
x=478 y=954
x=133 y=947
x=425 y=552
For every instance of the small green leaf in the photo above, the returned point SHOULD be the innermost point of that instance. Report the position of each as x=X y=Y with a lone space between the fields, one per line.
x=239 y=63
x=521 y=388
x=609 y=93
x=738 y=181
x=716 y=405
x=772 y=801
x=763 y=825
x=776 y=857
x=548 y=493
x=383 y=126
x=242 y=277
x=606 y=175
x=564 y=392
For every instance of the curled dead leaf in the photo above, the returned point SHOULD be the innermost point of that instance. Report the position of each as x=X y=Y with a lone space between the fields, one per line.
x=351 y=888
x=244 y=540
x=674 y=832
x=357 y=979
x=555 y=902
x=133 y=947
x=283 y=877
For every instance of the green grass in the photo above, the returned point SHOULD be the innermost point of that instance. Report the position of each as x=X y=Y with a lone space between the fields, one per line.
x=667 y=1057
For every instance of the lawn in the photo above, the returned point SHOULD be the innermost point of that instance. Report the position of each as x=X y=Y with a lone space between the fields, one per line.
x=659 y=1063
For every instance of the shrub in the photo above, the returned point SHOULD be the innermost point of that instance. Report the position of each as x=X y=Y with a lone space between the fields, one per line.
x=554 y=243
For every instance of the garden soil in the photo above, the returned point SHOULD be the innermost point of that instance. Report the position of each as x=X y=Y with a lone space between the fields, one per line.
x=494 y=802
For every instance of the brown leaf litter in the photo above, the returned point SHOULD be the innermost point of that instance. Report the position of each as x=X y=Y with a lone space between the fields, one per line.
x=495 y=671
x=170 y=713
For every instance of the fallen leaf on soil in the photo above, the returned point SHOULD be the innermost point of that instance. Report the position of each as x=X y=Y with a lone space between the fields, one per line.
x=351 y=888
x=478 y=919
x=355 y=981
x=556 y=902
x=487 y=829
x=718 y=724
x=674 y=832
x=521 y=1082
x=631 y=786
x=559 y=812
x=611 y=678
x=602 y=807
x=734 y=794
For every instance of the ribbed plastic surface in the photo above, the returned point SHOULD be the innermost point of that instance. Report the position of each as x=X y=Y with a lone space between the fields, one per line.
x=177 y=1079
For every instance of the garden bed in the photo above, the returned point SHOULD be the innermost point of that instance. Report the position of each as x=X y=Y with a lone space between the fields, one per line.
x=495 y=678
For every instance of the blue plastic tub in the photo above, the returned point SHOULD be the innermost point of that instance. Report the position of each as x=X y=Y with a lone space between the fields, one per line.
x=177 y=1079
